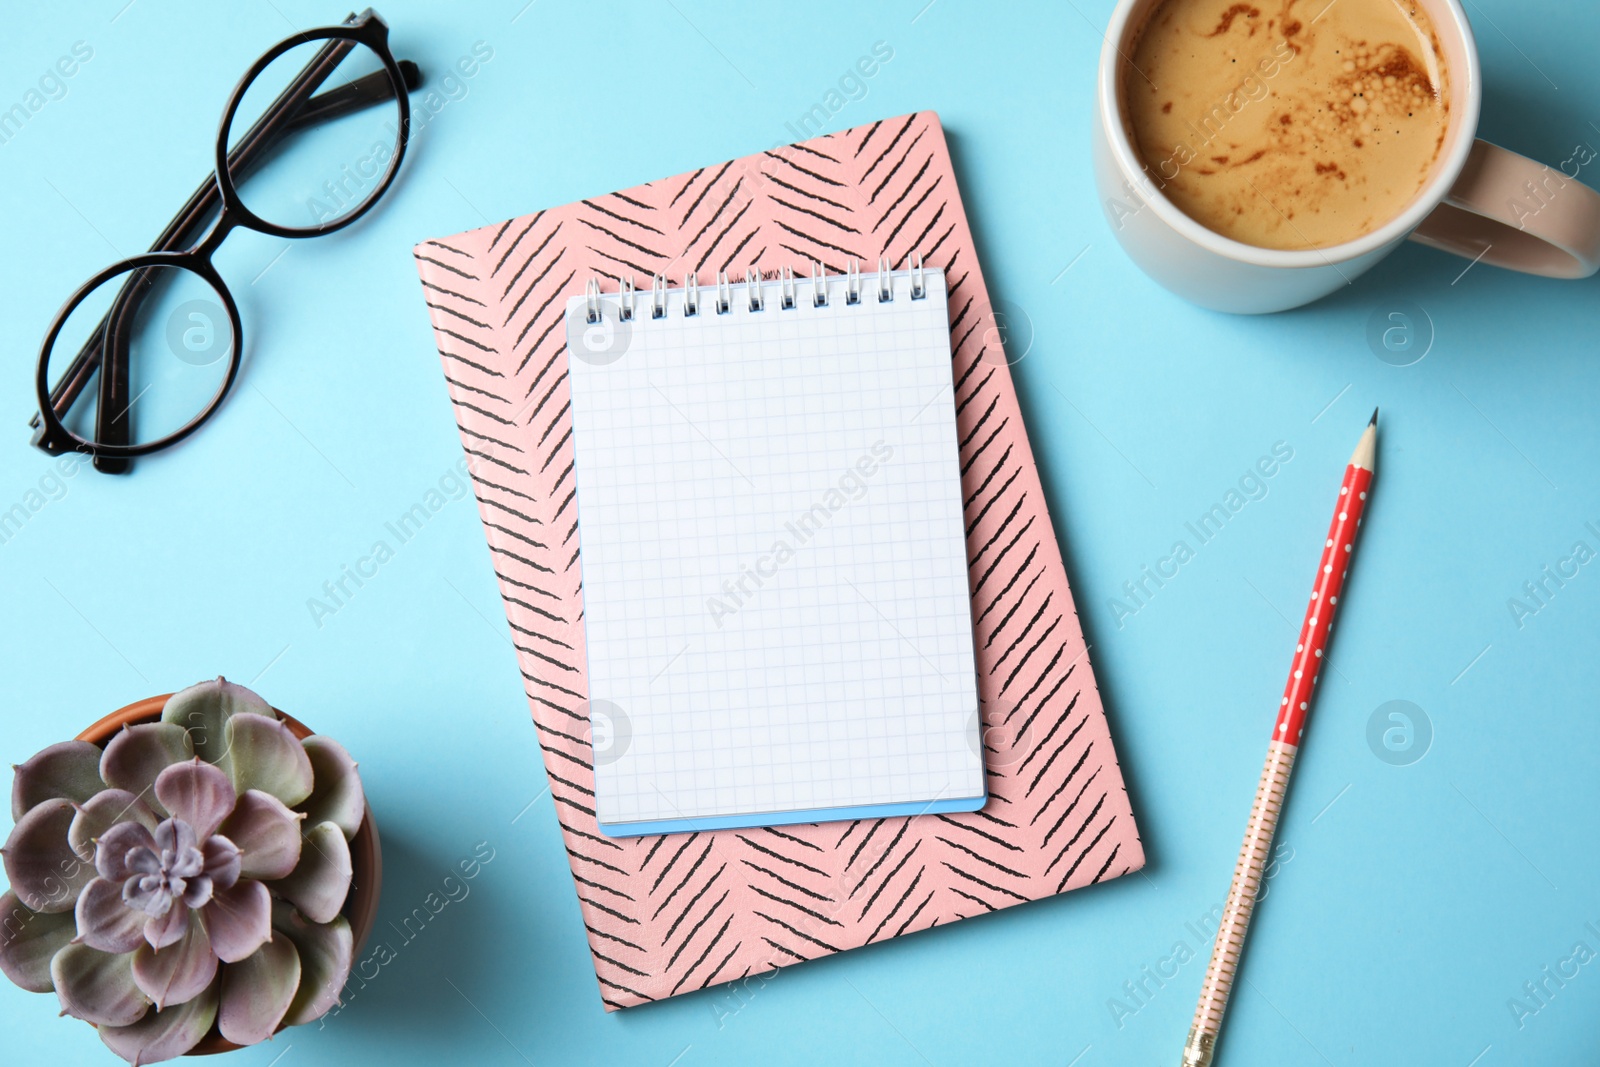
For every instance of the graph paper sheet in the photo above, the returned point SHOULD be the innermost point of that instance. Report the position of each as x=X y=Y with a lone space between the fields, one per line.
x=776 y=606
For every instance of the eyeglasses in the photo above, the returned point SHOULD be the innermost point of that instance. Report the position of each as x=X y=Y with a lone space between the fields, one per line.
x=161 y=330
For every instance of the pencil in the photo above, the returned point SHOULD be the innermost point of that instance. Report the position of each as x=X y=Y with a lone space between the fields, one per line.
x=1334 y=567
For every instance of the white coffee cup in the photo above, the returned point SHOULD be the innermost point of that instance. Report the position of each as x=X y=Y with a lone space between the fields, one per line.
x=1482 y=202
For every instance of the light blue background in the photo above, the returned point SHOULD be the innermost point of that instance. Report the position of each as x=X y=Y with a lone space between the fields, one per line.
x=1411 y=903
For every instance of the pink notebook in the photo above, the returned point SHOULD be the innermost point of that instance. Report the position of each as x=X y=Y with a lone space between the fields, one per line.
x=669 y=914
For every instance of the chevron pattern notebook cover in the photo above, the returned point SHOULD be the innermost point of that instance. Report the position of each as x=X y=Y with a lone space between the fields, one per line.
x=669 y=914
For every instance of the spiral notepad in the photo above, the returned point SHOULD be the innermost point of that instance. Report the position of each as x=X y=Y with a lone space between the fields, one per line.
x=773 y=557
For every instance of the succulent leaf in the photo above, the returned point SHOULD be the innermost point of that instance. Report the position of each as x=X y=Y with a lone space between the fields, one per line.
x=97 y=987
x=166 y=929
x=164 y=1035
x=222 y=861
x=100 y=813
x=204 y=710
x=326 y=953
x=45 y=873
x=239 y=920
x=112 y=849
x=197 y=793
x=137 y=755
x=105 y=922
x=321 y=880
x=69 y=770
x=267 y=833
x=28 y=941
x=257 y=992
x=178 y=972
x=264 y=755
x=336 y=793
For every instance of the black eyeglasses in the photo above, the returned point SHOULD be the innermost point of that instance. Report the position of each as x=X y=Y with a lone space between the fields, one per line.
x=161 y=330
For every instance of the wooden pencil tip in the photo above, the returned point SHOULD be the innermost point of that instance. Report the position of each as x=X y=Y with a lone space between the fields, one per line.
x=1367 y=448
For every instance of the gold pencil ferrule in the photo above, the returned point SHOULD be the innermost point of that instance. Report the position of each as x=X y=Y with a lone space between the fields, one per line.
x=1197 y=1051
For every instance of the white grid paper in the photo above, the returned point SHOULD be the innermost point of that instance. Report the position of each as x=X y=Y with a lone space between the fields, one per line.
x=773 y=554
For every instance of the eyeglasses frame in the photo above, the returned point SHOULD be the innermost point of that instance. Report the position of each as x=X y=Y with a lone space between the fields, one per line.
x=367 y=29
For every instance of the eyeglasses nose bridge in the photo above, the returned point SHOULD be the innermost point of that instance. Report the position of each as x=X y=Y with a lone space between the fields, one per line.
x=207 y=246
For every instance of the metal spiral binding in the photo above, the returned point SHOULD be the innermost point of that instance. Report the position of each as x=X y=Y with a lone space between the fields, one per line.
x=755 y=300
x=658 y=296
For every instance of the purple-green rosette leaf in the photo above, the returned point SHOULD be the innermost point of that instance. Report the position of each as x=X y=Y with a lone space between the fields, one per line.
x=103 y=811
x=137 y=755
x=178 y=972
x=29 y=940
x=336 y=792
x=97 y=987
x=204 y=710
x=321 y=881
x=326 y=953
x=104 y=919
x=164 y=1035
x=257 y=992
x=45 y=873
x=197 y=793
x=69 y=770
x=239 y=920
x=267 y=833
x=263 y=754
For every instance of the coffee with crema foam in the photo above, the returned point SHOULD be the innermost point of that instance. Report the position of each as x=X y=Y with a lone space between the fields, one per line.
x=1288 y=124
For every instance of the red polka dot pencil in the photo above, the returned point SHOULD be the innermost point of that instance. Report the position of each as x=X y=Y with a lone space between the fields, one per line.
x=1337 y=552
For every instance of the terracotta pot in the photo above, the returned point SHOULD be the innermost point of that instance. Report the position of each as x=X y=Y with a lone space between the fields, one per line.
x=366 y=861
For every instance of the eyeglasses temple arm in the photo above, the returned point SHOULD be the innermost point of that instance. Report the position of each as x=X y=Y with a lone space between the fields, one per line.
x=363 y=92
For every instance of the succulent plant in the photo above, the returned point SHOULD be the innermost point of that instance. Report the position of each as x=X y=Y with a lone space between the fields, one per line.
x=191 y=874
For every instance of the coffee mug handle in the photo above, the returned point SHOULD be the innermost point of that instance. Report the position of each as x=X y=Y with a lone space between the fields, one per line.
x=1510 y=211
